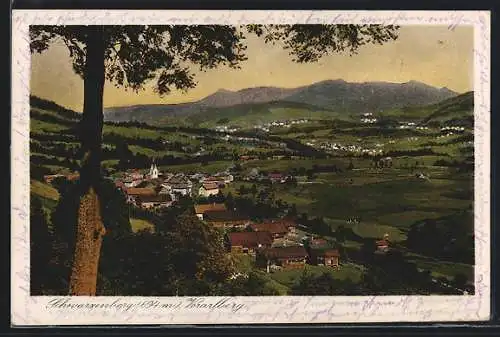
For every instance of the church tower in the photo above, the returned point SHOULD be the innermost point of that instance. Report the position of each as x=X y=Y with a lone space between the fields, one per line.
x=153 y=171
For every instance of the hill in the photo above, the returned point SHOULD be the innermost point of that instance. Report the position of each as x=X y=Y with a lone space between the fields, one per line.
x=337 y=96
x=457 y=110
x=249 y=114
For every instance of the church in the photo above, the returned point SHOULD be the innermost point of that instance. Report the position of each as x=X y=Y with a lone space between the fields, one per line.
x=153 y=171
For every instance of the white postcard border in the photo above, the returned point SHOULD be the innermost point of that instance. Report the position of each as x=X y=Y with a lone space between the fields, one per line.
x=29 y=310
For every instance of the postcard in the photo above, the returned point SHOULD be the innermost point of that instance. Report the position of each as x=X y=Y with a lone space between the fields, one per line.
x=238 y=167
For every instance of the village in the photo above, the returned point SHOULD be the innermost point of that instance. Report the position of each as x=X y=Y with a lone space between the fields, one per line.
x=272 y=244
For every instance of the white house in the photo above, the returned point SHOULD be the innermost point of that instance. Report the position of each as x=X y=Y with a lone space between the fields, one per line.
x=208 y=189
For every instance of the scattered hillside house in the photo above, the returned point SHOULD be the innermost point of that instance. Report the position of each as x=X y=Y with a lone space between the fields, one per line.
x=49 y=178
x=290 y=223
x=383 y=245
x=200 y=210
x=226 y=219
x=70 y=177
x=316 y=243
x=326 y=257
x=134 y=192
x=134 y=175
x=219 y=181
x=277 y=177
x=248 y=242
x=129 y=182
x=285 y=242
x=246 y=157
x=208 y=189
x=154 y=201
x=177 y=185
x=284 y=257
x=225 y=178
x=277 y=229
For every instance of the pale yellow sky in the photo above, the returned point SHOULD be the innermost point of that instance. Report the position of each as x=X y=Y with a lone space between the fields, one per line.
x=431 y=54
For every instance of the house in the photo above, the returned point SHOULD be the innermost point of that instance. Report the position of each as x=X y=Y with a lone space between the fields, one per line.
x=277 y=177
x=282 y=257
x=226 y=219
x=248 y=242
x=277 y=229
x=134 y=175
x=50 y=177
x=318 y=243
x=200 y=210
x=327 y=257
x=208 y=189
x=178 y=185
x=152 y=201
x=134 y=192
x=70 y=177
x=224 y=178
x=382 y=246
x=219 y=181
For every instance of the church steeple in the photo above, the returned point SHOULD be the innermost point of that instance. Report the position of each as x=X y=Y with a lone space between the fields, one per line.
x=153 y=171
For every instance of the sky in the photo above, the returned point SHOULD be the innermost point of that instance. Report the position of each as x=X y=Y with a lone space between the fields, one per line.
x=434 y=55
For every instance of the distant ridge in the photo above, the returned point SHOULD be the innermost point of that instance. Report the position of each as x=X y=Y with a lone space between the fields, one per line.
x=335 y=95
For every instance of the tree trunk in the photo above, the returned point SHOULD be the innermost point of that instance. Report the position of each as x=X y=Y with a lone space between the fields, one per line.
x=90 y=229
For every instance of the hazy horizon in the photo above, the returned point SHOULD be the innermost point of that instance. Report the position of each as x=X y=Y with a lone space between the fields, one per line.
x=434 y=55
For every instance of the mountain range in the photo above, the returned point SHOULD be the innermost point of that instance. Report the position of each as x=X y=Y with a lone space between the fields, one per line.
x=334 y=96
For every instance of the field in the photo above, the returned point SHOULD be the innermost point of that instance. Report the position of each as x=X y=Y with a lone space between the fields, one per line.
x=140 y=224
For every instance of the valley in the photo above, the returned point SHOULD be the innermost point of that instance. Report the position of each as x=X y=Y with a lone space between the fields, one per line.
x=401 y=173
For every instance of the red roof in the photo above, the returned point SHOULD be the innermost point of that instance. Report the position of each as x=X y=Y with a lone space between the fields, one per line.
x=210 y=186
x=330 y=253
x=140 y=191
x=200 y=209
x=250 y=239
x=271 y=227
x=275 y=175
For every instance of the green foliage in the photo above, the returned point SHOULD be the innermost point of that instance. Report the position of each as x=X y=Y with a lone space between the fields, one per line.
x=449 y=237
x=308 y=43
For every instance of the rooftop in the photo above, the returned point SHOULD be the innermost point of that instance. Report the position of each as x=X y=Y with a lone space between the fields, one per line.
x=200 y=209
x=271 y=227
x=250 y=239
x=140 y=191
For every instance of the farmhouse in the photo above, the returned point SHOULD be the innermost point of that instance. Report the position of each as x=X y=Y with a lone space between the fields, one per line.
x=277 y=177
x=219 y=181
x=152 y=201
x=277 y=229
x=383 y=245
x=284 y=257
x=70 y=177
x=248 y=242
x=200 y=210
x=208 y=189
x=226 y=219
x=327 y=257
x=134 y=193
x=178 y=185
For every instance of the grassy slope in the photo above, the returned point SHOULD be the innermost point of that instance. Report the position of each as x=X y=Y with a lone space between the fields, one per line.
x=249 y=114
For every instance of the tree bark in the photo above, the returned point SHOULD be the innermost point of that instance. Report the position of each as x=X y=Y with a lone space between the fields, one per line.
x=90 y=228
